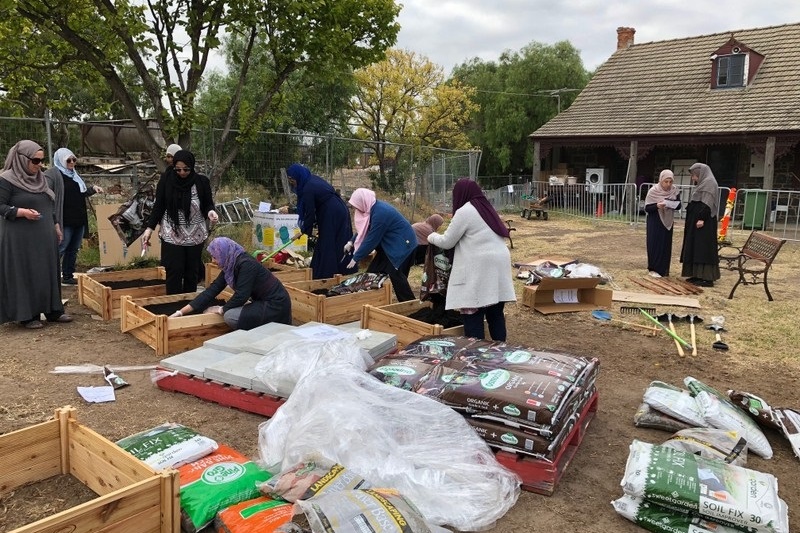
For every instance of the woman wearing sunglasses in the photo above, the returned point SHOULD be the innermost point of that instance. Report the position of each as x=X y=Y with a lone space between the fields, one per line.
x=29 y=239
x=71 y=194
x=183 y=205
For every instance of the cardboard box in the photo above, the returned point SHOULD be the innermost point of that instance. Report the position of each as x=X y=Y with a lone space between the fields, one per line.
x=273 y=230
x=566 y=295
x=112 y=250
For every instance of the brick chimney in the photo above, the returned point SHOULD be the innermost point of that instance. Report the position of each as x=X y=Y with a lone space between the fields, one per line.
x=624 y=37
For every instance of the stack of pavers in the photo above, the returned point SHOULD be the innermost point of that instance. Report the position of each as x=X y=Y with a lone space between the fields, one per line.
x=232 y=358
x=518 y=399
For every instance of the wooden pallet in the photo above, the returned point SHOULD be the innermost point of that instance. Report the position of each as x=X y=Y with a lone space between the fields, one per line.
x=541 y=476
x=221 y=393
x=668 y=286
x=285 y=273
x=95 y=293
x=310 y=307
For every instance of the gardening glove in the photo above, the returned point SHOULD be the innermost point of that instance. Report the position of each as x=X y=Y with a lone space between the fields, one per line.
x=146 y=236
x=348 y=247
x=176 y=314
x=351 y=264
x=213 y=217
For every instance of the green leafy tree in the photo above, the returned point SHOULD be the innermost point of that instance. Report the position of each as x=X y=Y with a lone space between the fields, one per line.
x=168 y=43
x=516 y=95
x=404 y=100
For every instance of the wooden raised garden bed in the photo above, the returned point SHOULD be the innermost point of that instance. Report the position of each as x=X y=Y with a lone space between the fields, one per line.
x=285 y=273
x=169 y=335
x=101 y=292
x=307 y=306
x=131 y=495
x=394 y=318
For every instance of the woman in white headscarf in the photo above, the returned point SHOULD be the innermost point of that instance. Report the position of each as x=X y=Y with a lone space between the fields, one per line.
x=29 y=237
x=662 y=200
x=699 y=255
x=71 y=194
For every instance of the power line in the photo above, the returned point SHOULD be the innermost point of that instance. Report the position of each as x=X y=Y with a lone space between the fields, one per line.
x=552 y=93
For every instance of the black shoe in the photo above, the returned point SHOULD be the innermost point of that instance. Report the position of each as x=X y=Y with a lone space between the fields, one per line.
x=68 y=282
x=692 y=280
x=703 y=283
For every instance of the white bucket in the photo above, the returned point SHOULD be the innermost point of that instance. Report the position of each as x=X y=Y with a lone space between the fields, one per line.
x=572 y=180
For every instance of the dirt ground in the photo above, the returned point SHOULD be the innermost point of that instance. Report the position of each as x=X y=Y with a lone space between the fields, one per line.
x=762 y=359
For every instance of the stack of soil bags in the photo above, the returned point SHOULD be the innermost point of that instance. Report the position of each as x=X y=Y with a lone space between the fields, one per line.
x=516 y=398
x=669 y=490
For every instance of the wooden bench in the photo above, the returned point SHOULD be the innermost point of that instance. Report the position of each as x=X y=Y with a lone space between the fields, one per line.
x=753 y=260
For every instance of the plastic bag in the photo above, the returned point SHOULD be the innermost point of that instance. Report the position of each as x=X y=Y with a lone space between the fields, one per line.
x=710 y=443
x=393 y=438
x=647 y=417
x=167 y=446
x=653 y=517
x=130 y=219
x=282 y=367
x=435 y=273
x=313 y=477
x=675 y=402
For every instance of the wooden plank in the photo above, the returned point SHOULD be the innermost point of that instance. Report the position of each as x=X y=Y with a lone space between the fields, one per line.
x=406 y=329
x=658 y=299
x=139 y=502
x=28 y=455
x=665 y=285
x=285 y=273
x=119 y=469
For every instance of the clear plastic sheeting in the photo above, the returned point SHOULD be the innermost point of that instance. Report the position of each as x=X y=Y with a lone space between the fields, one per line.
x=392 y=438
x=283 y=366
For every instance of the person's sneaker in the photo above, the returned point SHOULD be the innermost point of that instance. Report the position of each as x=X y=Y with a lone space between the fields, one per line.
x=69 y=282
x=33 y=324
x=654 y=274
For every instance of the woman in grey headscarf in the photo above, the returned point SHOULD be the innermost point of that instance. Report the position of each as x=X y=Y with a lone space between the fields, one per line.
x=662 y=200
x=29 y=238
x=699 y=255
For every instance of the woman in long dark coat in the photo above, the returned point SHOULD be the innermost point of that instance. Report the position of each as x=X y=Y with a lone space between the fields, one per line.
x=29 y=238
x=319 y=204
x=699 y=255
x=662 y=200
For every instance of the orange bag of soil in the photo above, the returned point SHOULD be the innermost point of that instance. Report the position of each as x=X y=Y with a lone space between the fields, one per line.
x=259 y=515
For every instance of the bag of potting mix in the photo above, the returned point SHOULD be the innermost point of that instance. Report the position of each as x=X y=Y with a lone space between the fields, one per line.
x=169 y=445
x=259 y=515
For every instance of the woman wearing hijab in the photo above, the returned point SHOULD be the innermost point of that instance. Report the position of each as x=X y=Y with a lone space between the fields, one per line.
x=183 y=204
x=422 y=230
x=699 y=254
x=71 y=194
x=383 y=228
x=319 y=204
x=258 y=296
x=660 y=204
x=480 y=280
x=29 y=239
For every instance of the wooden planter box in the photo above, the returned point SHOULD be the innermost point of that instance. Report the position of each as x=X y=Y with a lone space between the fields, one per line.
x=310 y=307
x=393 y=318
x=169 y=335
x=95 y=293
x=131 y=495
x=285 y=273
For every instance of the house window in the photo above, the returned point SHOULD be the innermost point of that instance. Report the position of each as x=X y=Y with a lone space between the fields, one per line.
x=730 y=71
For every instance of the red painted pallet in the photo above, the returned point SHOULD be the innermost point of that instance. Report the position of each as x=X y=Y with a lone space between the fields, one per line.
x=542 y=476
x=221 y=393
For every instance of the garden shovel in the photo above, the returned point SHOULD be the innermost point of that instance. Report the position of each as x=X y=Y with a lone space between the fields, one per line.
x=692 y=318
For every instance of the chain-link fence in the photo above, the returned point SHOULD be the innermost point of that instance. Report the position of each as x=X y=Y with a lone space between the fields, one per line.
x=114 y=153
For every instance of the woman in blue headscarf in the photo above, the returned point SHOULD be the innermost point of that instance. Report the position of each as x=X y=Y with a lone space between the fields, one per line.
x=258 y=296
x=319 y=204
x=71 y=194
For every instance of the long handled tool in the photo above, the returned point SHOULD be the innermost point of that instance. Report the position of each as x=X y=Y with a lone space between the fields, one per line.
x=606 y=317
x=275 y=252
x=665 y=328
x=718 y=344
x=668 y=317
x=692 y=318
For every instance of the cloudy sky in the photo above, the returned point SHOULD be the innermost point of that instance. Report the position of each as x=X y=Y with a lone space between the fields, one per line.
x=449 y=32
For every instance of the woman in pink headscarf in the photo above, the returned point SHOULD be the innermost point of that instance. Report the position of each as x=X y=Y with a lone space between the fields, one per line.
x=662 y=200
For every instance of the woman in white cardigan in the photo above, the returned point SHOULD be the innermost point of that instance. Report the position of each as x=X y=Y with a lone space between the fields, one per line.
x=480 y=281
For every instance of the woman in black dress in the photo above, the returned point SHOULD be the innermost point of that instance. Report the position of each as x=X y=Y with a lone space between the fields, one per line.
x=662 y=200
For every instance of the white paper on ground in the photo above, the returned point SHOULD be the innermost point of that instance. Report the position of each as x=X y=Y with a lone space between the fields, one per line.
x=97 y=394
x=264 y=207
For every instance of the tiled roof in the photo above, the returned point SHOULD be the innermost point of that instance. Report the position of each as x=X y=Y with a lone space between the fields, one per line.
x=663 y=88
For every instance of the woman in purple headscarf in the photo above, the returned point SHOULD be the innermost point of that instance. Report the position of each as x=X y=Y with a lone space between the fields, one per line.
x=480 y=281
x=258 y=296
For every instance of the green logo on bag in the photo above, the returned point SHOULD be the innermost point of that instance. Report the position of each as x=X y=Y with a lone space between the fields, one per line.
x=495 y=379
x=437 y=343
x=508 y=438
x=511 y=410
x=518 y=356
x=223 y=473
x=396 y=370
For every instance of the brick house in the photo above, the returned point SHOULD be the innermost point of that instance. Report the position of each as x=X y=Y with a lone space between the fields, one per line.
x=731 y=100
